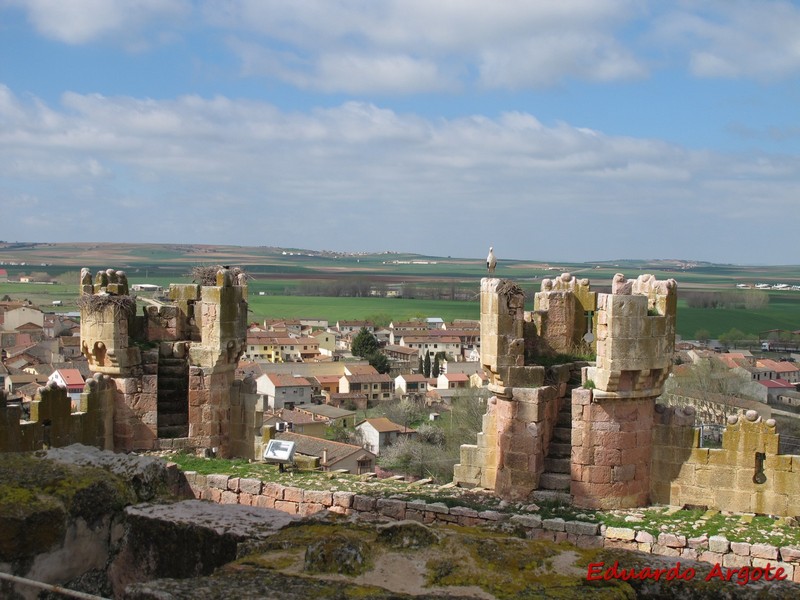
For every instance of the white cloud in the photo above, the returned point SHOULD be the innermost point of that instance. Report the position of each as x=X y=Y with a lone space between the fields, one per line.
x=408 y=46
x=229 y=171
x=83 y=21
x=750 y=38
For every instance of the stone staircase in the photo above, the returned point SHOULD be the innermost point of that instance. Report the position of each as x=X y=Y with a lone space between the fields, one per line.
x=554 y=482
x=173 y=397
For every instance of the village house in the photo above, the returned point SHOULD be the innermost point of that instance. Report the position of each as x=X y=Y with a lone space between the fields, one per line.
x=283 y=391
x=375 y=386
x=353 y=327
x=380 y=432
x=277 y=347
x=402 y=354
x=452 y=381
x=296 y=421
x=332 y=416
x=23 y=318
x=70 y=379
x=328 y=384
x=410 y=384
x=353 y=400
x=332 y=456
x=783 y=369
x=326 y=341
x=432 y=344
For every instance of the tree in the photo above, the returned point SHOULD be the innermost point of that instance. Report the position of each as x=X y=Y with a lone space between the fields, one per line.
x=702 y=335
x=421 y=368
x=426 y=368
x=364 y=343
x=379 y=361
x=435 y=368
x=732 y=337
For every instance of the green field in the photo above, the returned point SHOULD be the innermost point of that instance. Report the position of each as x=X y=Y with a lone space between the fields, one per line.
x=337 y=309
x=282 y=274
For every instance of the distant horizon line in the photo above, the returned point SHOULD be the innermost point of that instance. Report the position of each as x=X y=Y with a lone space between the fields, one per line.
x=5 y=244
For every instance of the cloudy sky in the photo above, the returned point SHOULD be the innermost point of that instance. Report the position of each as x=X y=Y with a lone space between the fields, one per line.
x=574 y=130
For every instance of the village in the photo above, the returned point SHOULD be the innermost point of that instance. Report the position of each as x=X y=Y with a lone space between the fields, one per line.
x=310 y=383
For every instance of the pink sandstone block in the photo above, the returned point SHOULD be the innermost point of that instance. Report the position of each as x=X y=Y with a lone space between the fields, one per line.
x=306 y=509
x=264 y=502
x=293 y=494
x=287 y=507
x=272 y=490
x=318 y=497
x=229 y=497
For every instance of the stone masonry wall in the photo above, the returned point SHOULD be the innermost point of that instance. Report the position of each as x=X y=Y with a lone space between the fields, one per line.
x=612 y=416
x=725 y=478
x=583 y=534
x=561 y=313
x=52 y=424
x=611 y=451
x=714 y=408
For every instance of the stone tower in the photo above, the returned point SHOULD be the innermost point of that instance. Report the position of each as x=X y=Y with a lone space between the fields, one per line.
x=174 y=366
x=532 y=436
x=612 y=415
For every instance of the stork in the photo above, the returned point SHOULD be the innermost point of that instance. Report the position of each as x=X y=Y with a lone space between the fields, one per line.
x=491 y=261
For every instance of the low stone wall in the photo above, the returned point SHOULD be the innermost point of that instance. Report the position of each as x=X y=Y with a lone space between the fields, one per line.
x=746 y=475
x=297 y=501
x=52 y=424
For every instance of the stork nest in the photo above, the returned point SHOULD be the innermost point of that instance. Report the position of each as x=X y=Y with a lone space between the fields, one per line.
x=207 y=275
x=508 y=287
x=95 y=303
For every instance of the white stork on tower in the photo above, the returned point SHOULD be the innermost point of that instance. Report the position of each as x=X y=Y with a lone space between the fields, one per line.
x=491 y=261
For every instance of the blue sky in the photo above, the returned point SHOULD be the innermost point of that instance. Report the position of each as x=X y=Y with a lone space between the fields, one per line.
x=576 y=130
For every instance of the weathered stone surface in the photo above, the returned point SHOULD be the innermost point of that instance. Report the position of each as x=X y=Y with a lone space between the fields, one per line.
x=719 y=544
x=620 y=533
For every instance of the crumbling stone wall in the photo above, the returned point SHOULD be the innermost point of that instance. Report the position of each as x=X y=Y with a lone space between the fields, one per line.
x=52 y=424
x=563 y=315
x=746 y=475
x=633 y=331
x=202 y=333
x=714 y=408
x=612 y=417
x=509 y=456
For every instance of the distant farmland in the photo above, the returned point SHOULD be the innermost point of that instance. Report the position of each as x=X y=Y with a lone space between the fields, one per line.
x=291 y=281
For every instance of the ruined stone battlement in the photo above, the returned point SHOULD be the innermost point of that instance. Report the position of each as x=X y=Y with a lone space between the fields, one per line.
x=596 y=449
x=174 y=365
x=635 y=337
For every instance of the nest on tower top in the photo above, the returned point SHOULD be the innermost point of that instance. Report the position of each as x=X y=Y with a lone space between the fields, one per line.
x=95 y=303
x=207 y=275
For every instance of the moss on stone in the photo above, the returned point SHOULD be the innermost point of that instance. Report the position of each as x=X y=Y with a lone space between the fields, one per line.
x=38 y=496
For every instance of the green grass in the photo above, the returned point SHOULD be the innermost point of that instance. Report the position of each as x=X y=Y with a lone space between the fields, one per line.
x=783 y=312
x=654 y=520
x=336 y=309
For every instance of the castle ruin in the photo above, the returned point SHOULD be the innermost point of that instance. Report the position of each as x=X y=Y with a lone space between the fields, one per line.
x=596 y=447
x=174 y=366
x=573 y=417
